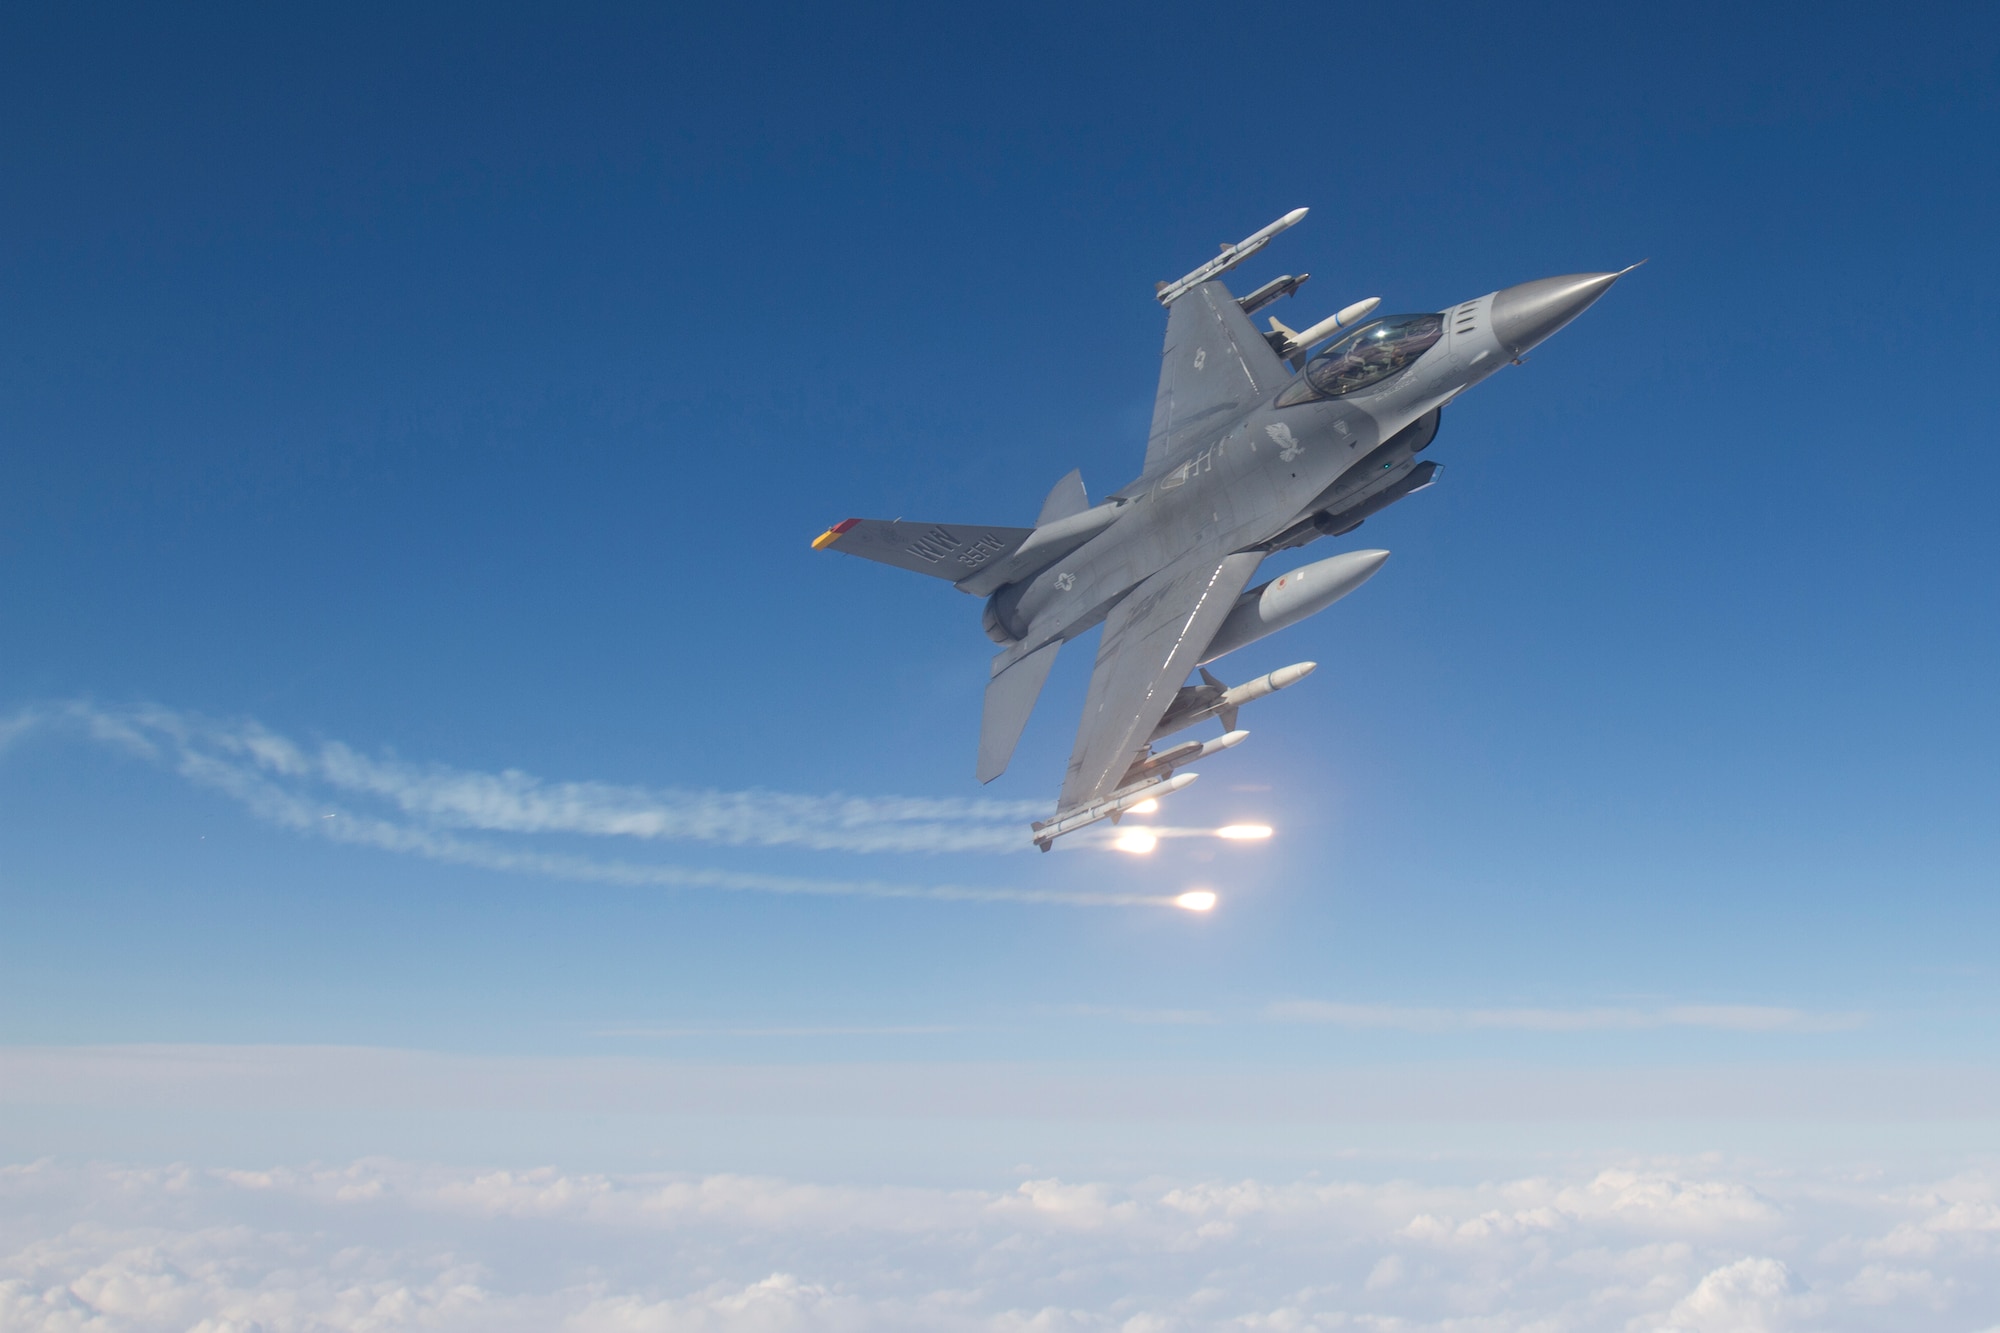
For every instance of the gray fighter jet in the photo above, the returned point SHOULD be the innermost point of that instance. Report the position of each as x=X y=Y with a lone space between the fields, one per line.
x=1248 y=455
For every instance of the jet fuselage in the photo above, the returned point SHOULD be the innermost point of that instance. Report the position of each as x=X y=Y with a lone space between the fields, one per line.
x=1262 y=474
x=1242 y=459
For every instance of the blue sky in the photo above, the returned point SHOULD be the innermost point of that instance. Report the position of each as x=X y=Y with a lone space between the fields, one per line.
x=464 y=392
x=453 y=395
x=468 y=396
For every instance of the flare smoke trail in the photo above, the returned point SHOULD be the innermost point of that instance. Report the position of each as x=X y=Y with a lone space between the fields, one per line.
x=430 y=806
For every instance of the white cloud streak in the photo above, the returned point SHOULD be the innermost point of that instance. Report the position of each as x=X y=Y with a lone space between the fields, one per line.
x=1718 y=1017
x=892 y=1030
x=1652 y=1246
x=1290 y=1091
x=423 y=811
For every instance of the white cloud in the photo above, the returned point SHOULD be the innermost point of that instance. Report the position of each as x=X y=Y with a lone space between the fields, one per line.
x=1959 y=1216
x=1751 y=1295
x=1387 y=1272
x=1657 y=1199
x=1878 y=1284
x=777 y=1303
x=381 y=1246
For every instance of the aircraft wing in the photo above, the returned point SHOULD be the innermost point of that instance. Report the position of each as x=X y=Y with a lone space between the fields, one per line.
x=1152 y=639
x=1215 y=365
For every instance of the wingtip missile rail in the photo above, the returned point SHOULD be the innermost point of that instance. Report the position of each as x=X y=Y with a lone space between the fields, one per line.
x=833 y=534
x=1045 y=832
x=1231 y=256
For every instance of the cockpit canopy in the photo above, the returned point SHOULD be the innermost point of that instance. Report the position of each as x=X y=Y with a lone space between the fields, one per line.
x=1368 y=355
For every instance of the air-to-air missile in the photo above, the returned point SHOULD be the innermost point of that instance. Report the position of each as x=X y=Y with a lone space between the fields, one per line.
x=1231 y=256
x=1117 y=803
x=1293 y=345
x=1211 y=698
x=1152 y=775
x=1180 y=756
x=1290 y=598
x=1263 y=610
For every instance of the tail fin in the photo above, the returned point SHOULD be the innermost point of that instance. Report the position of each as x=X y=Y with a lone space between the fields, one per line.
x=1010 y=697
x=1068 y=497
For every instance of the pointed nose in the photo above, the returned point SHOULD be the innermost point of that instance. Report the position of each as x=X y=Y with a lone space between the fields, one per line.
x=1337 y=576
x=1524 y=315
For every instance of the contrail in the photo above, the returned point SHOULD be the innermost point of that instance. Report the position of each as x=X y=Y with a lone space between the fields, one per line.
x=284 y=783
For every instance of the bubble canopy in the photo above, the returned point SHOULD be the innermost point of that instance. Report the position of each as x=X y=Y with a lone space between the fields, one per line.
x=1369 y=355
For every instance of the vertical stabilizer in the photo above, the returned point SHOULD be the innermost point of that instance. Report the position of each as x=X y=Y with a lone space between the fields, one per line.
x=1010 y=697
x=1066 y=499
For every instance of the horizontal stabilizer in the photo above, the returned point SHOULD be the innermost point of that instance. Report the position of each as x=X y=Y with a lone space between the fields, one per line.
x=949 y=551
x=1010 y=697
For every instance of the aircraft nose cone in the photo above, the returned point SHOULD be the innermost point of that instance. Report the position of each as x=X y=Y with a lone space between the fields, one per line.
x=1526 y=314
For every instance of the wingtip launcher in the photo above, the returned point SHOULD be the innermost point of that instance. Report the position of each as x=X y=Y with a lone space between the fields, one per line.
x=1045 y=832
x=833 y=534
x=1232 y=255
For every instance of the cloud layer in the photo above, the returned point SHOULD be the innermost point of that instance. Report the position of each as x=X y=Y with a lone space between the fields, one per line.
x=1645 y=1246
x=1307 y=1091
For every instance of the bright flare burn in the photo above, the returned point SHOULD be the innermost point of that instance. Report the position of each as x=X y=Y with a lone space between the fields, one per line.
x=1136 y=840
x=1244 y=832
x=1200 y=900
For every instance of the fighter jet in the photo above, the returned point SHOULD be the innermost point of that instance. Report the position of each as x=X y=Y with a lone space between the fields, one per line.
x=1257 y=445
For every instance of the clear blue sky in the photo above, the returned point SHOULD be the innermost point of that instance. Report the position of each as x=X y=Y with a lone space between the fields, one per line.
x=463 y=387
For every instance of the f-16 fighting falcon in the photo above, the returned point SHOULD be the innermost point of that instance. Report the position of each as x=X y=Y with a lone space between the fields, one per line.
x=1256 y=446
